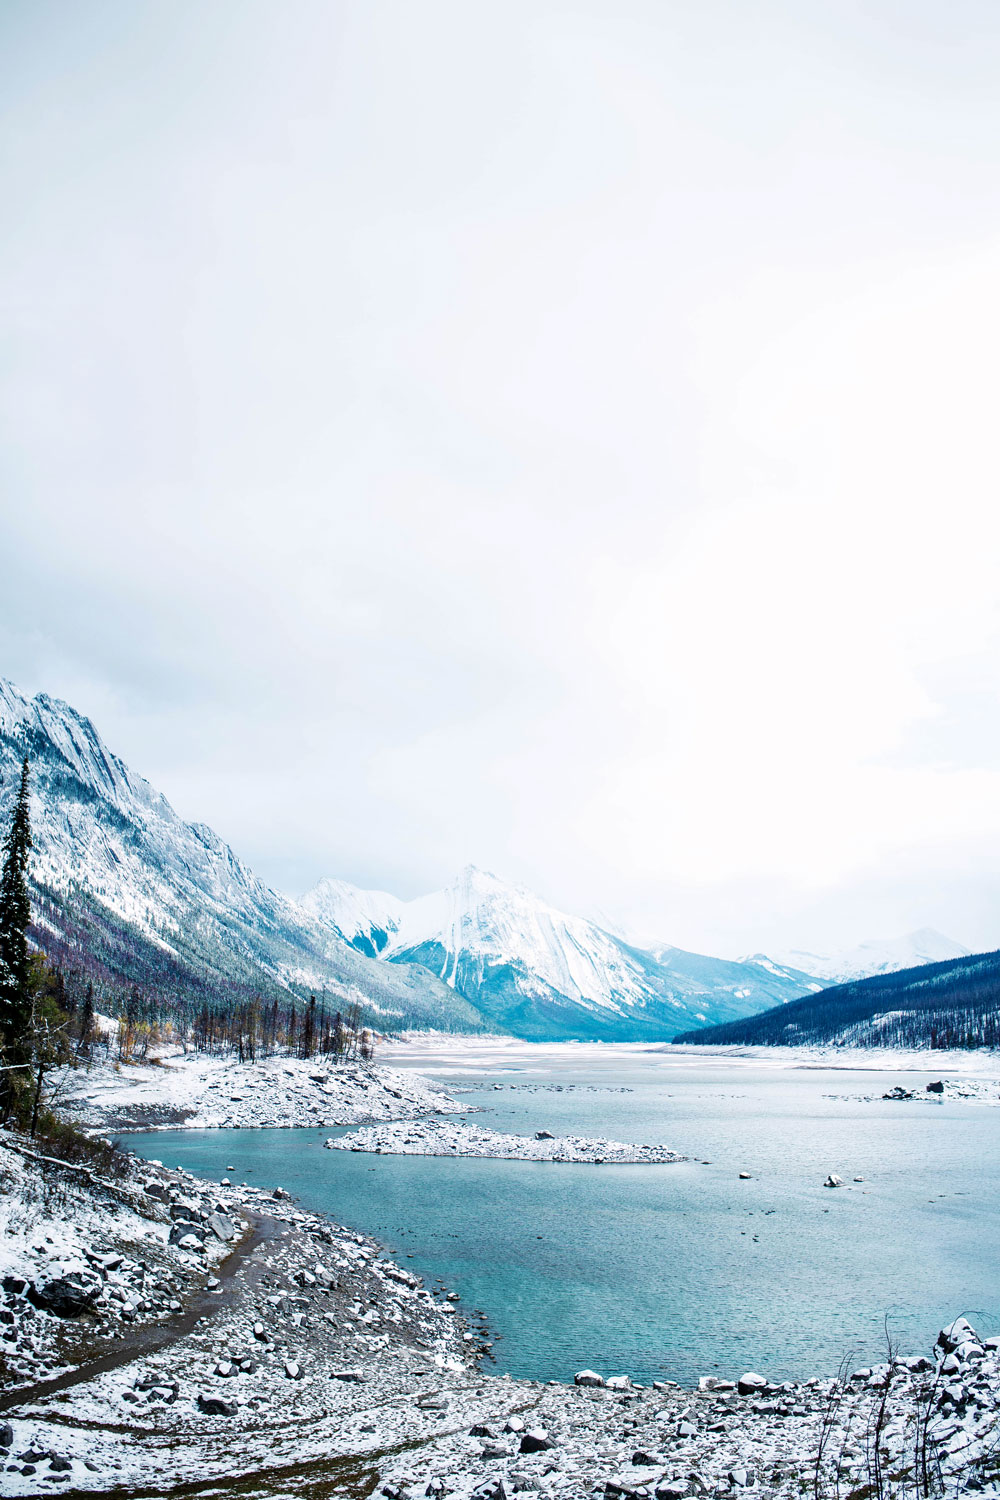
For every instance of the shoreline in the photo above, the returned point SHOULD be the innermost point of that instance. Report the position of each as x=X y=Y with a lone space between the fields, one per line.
x=320 y=1360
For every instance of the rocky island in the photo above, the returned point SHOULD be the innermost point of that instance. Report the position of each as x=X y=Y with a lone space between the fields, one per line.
x=456 y=1138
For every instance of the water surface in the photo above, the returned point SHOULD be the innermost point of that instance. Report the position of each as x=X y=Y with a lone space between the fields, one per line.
x=681 y=1270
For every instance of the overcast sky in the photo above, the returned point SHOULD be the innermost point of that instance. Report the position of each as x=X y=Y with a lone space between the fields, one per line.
x=556 y=436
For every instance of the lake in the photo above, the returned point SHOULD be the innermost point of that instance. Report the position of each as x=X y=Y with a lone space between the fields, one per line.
x=672 y=1272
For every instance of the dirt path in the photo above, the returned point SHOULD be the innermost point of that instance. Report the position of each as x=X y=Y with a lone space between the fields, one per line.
x=159 y=1336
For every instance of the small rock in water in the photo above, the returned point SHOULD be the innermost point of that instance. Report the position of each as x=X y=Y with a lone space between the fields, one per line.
x=834 y=1181
x=744 y=1176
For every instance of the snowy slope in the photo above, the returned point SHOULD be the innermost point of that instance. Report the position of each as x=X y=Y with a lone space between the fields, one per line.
x=118 y=875
x=878 y=956
x=542 y=973
x=365 y=919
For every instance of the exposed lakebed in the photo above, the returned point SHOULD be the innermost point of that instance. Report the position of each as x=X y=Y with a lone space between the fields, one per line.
x=680 y=1270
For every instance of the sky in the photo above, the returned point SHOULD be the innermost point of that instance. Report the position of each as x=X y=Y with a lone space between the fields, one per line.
x=555 y=436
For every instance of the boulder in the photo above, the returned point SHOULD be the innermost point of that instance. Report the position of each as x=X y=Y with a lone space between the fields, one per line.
x=293 y=1369
x=959 y=1332
x=182 y=1229
x=935 y=1088
x=544 y=1135
x=645 y=1460
x=618 y=1383
x=65 y=1296
x=751 y=1384
x=536 y=1440
x=834 y=1181
x=6 y=1435
x=14 y=1285
x=222 y=1227
x=214 y=1406
x=588 y=1377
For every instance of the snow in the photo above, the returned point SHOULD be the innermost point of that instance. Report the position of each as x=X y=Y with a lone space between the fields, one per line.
x=194 y=1091
x=454 y=1138
x=878 y=956
x=351 y=911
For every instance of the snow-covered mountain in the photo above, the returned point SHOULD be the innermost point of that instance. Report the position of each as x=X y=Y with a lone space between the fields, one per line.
x=365 y=919
x=541 y=973
x=877 y=956
x=119 y=877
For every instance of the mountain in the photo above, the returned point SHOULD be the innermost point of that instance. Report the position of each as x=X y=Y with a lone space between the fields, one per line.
x=877 y=956
x=543 y=974
x=365 y=919
x=124 y=886
x=943 y=1005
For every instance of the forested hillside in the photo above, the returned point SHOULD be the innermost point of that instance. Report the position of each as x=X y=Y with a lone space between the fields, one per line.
x=943 y=1005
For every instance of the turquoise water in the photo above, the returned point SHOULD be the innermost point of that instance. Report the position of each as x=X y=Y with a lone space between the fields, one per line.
x=675 y=1271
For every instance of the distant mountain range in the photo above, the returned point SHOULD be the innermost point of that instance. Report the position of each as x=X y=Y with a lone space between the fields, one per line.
x=881 y=956
x=541 y=973
x=126 y=888
x=954 y=1004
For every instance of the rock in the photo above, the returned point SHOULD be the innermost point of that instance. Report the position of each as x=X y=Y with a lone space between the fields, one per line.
x=481 y=1430
x=186 y=1229
x=686 y=1430
x=745 y=1177
x=935 y=1088
x=644 y=1459
x=214 y=1406
x=355 y=1375
x=222 y=1227
x=959 y=1332
x=14 y=1285
x=155 y=1190
x=671 y=1489
x=293 y=1370
x=60 y=1465
x=741 y=1479
x=618 y=1383
x=279 y=1193
x=588 y=1377
x=64 y=1296
x=6 y=1435
x=751 y=1384
x=536 y=1440
x=834 y=1181
x=433 y=1402
x=898 y=1093
x=544 y=1135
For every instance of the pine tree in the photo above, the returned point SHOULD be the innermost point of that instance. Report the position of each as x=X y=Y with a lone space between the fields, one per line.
x=86 y=1024
x=15 y=915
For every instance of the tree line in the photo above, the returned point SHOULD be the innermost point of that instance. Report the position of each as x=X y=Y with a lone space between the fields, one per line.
x=954 y=1004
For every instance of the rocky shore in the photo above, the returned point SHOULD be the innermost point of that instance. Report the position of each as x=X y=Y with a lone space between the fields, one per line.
x=193 y=1091
x=456 y=1138
x=162 y=1334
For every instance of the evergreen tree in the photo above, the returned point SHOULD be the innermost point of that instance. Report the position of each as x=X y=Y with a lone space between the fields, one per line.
x=86 y=1024
x=15 y=915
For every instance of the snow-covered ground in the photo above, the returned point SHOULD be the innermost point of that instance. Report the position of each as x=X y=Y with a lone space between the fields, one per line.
x=196 y=1091
x=313 y=1364
x=454 y=1138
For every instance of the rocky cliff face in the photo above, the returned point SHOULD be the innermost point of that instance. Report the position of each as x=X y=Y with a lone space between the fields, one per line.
x=117 y=874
